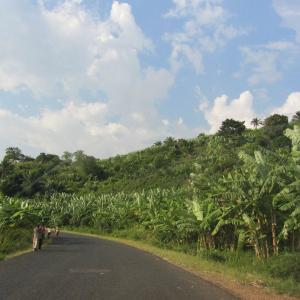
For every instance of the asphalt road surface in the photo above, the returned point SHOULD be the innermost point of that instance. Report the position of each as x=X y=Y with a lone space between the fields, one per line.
x=78 y=267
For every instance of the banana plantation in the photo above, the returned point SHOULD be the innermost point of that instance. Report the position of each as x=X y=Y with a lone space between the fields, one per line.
x=253 y=206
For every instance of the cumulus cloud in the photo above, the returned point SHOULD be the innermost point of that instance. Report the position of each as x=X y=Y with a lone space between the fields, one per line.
x=242 y=109
x=58 y=51
x=290 y=106
x=61 y=51
x=223 y=108
x=206 y=28
x=73 y=127
x=43 y=51
x=84 y=126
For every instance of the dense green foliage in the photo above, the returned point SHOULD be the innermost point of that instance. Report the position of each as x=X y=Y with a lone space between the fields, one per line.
x=166 y=164
x=232 y=127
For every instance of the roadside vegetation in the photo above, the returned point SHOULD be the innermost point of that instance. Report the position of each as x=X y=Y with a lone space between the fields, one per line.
x=14 y=240
x=17 y=218
x=232 y=198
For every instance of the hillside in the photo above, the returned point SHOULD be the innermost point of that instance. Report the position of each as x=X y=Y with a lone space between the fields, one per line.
x=166 y=164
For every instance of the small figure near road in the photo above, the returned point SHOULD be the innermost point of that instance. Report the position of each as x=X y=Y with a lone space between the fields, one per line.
x=48 y=231
x=37 y=240
x=56 y=231
x=43 y=228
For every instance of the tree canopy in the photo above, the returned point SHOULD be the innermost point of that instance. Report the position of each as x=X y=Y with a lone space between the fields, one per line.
x=232 y=127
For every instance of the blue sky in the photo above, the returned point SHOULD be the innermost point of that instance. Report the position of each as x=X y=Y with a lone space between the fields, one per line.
x=110 y=77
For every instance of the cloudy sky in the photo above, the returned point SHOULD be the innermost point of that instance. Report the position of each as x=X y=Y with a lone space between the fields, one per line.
x=109 y=77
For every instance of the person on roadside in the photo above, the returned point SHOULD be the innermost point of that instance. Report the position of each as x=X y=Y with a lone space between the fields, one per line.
x=37 y=240
x=35 y=237
x=48 y=231
x=42 y=236
x=56 y=231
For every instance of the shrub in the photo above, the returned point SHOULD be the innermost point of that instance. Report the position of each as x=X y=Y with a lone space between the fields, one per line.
x=284 y=266
x=215 y=255
x=13 y=240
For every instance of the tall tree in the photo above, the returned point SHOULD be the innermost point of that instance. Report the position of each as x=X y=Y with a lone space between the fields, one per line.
x=274 y=127
x=232 y=127
x=276 y=120
x=256 y=122
x=87 y=166
x=13 y=154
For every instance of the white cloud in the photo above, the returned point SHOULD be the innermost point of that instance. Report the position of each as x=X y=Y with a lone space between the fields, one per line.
x=59 y=52
x=88 y=114
x=289 y=11
x=191 y=54
x=56 y=53
x=263 y=65
x=206 y=29
x=43 y=51
x=242 y=109
x=74 y=127
x=209 y=11
x=166 y=122
x=180 y=121
x=239 y=109
x=84 y=126
x=290 y=106
x=267 y=61
x=280 y=45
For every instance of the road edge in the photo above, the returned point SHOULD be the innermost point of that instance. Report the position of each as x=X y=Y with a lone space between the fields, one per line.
x=231 y=285
x=24 y=251
x=17 y=253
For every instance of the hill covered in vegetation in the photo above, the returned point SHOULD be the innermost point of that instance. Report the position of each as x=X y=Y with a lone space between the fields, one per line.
x=166 y=164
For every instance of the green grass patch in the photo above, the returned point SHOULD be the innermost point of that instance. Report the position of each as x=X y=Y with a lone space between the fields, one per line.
x=284 y=266
x=14 y=240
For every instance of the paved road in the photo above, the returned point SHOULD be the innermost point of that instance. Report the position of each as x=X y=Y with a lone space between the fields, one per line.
x=77 y=267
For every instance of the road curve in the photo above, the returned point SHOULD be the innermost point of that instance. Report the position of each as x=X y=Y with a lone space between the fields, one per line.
x=80 y=267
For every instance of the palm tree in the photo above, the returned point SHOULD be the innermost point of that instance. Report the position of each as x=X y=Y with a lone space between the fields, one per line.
x=256 y=122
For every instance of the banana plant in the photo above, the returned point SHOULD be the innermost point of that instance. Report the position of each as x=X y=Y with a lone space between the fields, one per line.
x=288 y=200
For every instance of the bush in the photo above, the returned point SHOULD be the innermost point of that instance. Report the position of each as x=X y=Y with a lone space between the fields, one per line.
x=285 y=266
x=12 y=240
x=214 y=255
